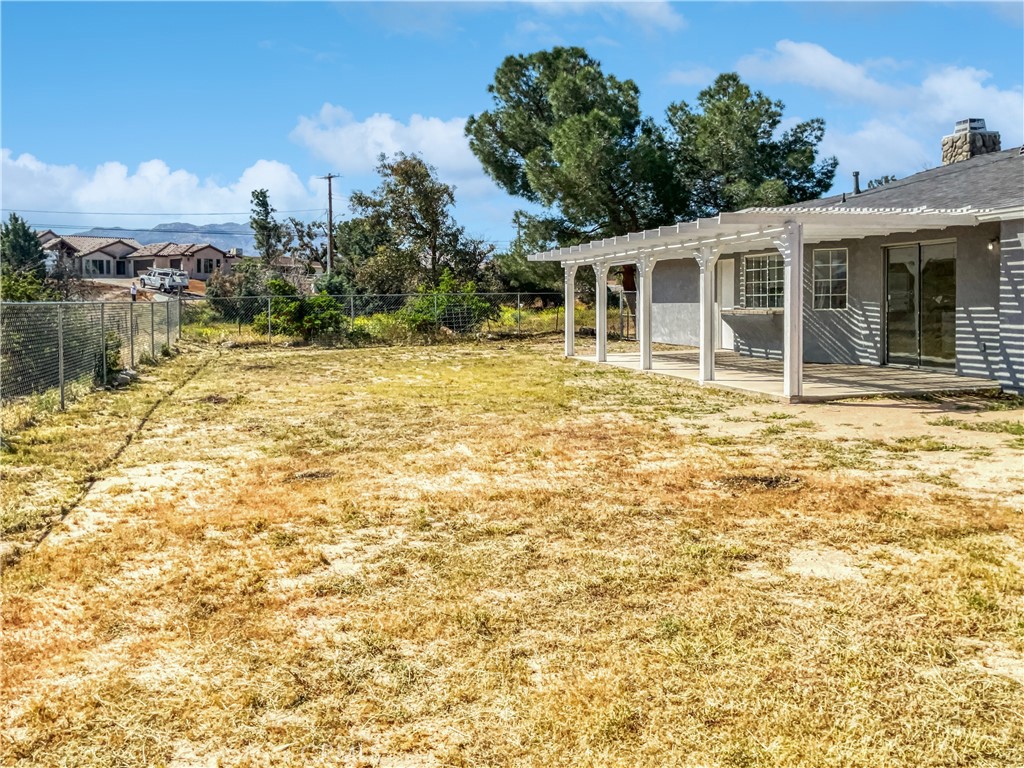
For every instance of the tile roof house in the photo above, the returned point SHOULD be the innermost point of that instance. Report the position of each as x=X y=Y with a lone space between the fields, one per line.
x=921 y=274
x=199 y=260
x=94 y=257
x=101 y=257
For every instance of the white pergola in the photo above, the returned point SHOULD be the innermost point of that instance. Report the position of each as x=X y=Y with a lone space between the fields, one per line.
x=705 y=240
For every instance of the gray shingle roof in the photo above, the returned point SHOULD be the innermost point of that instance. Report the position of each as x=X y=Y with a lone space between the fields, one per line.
x=989 y=181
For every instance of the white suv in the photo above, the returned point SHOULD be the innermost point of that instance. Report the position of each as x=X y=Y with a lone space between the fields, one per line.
x=168 y=280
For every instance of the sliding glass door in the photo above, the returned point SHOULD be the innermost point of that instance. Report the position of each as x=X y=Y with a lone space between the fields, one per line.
x=921 y=305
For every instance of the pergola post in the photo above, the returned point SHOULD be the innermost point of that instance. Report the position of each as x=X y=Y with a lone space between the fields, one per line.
x=791 y=246
x=570 y=309
x=644 y=270
x=601 y=325
x=707 y=257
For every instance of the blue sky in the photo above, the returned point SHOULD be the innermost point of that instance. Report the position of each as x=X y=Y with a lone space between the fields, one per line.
x=181 y=109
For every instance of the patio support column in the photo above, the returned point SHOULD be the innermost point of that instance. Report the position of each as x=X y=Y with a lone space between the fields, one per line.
x=644 y=269
x=570 y=309
x=791 y=246
x=601 y=324
x=707 y=257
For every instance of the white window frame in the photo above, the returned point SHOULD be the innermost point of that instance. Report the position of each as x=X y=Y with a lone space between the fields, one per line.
x=766 y=290
x=826 y=264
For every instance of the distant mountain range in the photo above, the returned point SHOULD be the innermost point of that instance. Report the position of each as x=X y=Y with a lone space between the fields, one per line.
x=224 y=236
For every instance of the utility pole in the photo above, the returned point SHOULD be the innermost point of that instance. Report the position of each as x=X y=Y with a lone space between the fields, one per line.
x=330 y=222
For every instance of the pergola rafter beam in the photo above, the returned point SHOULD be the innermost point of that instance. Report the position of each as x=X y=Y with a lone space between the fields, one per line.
x=735 y=232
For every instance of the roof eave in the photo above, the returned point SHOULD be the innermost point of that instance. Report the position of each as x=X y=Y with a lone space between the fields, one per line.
x=733 y=232
x=1003 y=214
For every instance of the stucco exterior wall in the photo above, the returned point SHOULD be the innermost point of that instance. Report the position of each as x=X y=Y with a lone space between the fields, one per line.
x=675 y=302
x=1011 y=305
x=989 y=313
x=977 y=303
x=851 y=336
x=195 y=262
x=758 y=336
x=86 y=267
x=119 y=249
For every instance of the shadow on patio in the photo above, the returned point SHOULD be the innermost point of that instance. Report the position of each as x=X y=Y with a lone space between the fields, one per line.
x=821 y=381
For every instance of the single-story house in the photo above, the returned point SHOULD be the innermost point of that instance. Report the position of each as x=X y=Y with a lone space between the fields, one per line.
x=199 y=260
x=93 y=257
x=925 y=273
x=100 y=257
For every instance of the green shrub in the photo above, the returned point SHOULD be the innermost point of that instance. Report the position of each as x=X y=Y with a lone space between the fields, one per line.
x=313 y=317
x=387 y=328
x=110 y=359
x=458 y=308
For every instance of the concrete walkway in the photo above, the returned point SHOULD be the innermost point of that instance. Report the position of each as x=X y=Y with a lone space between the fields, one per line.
x=821 y=382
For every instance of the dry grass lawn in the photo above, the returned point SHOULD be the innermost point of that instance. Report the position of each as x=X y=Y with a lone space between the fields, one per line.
x=490 y=556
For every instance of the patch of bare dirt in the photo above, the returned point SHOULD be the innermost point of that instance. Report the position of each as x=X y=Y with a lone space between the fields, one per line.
x=985 y=463
x=993 y=659
x=824 y=563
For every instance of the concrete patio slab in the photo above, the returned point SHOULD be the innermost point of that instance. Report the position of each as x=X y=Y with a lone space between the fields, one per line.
x=822 y=382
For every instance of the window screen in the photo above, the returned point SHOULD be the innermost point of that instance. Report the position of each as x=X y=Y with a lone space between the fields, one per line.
x=830 y=267
x=762 y=279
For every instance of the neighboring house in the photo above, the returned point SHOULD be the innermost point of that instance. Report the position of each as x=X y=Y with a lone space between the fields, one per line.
x=93 y=257
x=925 y=272
x=101 y=257
x=198 y=260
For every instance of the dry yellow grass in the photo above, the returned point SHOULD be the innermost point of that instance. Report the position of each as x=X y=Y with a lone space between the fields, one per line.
x=481 y=555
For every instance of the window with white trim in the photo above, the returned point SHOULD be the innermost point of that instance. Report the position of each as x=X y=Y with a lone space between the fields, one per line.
x=830 y=269
x=762 y=281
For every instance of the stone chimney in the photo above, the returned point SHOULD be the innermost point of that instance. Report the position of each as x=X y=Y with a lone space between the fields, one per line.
x=969 y=139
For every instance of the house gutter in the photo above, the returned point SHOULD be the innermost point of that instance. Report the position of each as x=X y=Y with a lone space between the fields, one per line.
x=1003 y=214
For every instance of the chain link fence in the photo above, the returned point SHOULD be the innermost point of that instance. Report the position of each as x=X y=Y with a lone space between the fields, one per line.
x=45 y=346
x=371 y=319
x=48 y=346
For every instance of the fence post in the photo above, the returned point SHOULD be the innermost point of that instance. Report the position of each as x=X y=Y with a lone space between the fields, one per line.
x=103 y=341
x=152 y=329
x=519 y=314
x=131 y=332
x=558 y=311
x=437 y=317
x=60 y=351
x=352 y=309
x=181 y=314
x=168 y=325
x=621 y=332
x=270 y=333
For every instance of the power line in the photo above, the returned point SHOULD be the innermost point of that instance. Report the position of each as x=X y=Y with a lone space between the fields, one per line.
x=134 y=213
x=127 y=231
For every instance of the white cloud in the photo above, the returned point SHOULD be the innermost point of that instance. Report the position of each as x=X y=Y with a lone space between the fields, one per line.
x=877 y=148
x=697 y=75
x=812 y=65
x=651 y=15
x=955 y=93
x=352 y=146
x=936 y=103
x=152 y=188
x=902 y=120
x=530 y=32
